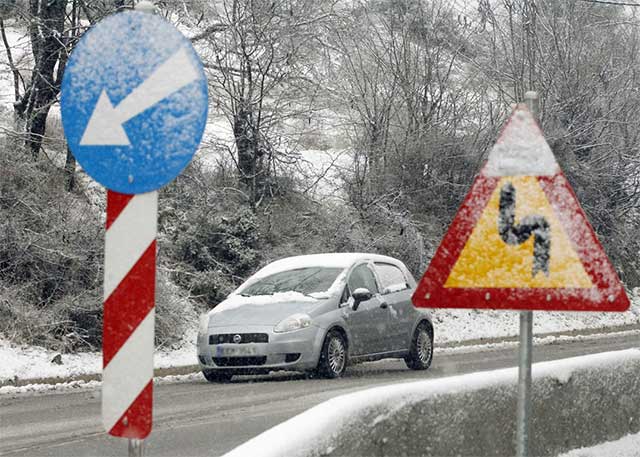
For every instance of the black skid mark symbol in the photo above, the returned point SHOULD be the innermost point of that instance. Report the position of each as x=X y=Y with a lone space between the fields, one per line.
x=514 y=234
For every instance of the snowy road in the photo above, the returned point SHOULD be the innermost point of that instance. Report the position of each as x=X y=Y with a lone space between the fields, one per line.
x=198 y=418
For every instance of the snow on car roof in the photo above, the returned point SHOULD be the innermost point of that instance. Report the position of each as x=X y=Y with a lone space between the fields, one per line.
x=331 y=260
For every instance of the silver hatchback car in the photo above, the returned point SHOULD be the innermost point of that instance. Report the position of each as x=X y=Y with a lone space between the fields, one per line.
x=316 y=313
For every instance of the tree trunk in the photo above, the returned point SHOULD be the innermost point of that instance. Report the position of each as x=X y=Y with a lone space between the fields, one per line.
x=70 y=170
x=47 y=43
x=246 y=146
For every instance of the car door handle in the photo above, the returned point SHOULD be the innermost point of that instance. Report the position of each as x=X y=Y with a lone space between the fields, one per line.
x=384 y=305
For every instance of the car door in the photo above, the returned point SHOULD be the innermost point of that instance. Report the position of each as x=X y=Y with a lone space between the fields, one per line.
x=367 y=324
x=396 y=292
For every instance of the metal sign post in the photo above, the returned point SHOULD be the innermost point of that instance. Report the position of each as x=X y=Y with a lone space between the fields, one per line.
x=136 y=447
x=524 y=383
x=526 y=346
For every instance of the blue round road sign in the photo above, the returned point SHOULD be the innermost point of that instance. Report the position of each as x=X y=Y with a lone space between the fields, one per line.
x=134 y=102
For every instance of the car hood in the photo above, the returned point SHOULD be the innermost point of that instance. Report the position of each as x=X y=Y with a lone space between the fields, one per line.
x=261 y=310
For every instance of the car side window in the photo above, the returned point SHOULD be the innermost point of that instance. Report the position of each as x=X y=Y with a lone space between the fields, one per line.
x=362 y=276
x=391 y=278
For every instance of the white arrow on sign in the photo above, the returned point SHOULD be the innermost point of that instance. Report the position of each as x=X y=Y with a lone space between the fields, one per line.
x=105 y=125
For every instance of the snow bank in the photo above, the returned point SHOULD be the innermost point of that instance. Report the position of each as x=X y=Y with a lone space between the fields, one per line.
x=454 y=325
x=41 y=388
x=577 y=401
x=627 y=446
x=29 y=362
x=32 y=362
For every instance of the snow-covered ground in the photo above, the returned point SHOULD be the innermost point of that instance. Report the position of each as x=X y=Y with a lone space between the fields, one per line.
x=32 y=362
x=463 y=324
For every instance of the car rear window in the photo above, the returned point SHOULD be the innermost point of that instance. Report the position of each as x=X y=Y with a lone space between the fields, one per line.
x=304 y=280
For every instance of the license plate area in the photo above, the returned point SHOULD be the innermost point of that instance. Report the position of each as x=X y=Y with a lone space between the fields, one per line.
x=237 y=350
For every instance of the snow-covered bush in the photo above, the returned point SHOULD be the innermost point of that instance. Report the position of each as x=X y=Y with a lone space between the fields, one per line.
x=209 y=238
x=51 y=257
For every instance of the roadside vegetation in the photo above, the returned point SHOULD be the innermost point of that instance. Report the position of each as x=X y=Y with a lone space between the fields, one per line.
x=413 y=92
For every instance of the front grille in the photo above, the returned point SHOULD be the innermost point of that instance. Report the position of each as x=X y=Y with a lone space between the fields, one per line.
x=239 y=361
x=244 y=338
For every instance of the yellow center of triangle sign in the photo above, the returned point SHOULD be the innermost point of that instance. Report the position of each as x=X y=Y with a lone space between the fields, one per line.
x=487 y=261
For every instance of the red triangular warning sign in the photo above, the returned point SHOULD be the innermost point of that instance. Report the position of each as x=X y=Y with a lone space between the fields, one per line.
x=520 y=240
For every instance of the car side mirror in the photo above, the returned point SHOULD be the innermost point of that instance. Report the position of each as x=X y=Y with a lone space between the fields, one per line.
x=359 y=295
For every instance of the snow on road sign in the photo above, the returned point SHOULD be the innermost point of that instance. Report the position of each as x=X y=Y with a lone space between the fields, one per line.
x=134 y=102
x=520 y=240
x=134 y=107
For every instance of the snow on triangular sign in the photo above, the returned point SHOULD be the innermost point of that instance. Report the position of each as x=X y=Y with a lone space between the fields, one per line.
x=520 y=240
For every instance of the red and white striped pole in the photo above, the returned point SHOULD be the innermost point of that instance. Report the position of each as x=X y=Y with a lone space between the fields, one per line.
x=133 y=158
x=129 y=314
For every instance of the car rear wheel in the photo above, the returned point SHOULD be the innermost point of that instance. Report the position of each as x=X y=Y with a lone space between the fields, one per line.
x=421 y=351
x=217 y=376
x=333 y=358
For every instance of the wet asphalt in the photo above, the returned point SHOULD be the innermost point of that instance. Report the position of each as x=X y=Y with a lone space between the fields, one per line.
x=196 y=418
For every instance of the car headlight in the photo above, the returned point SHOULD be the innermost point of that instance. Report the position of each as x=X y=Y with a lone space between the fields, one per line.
x=203 y=327
x=293 y=322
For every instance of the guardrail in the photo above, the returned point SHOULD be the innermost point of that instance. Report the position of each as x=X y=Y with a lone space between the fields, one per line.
x=577 y=402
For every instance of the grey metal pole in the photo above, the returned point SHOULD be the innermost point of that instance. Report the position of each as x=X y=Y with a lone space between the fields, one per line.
x=526 y=343
x=136 y=447
x=533 y=103
x=524 y=383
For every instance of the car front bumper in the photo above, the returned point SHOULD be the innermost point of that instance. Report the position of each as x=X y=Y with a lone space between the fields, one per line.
x=298 y=350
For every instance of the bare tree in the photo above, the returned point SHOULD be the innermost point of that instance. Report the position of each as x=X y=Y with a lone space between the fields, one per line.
x=260 y=58
x=54 y=26
x=582 y=58
x=46 y=30
x=400 y=67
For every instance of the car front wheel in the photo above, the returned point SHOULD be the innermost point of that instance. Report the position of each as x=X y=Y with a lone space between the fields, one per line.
x=217 y=376
x=421 y=351
x=333 y=358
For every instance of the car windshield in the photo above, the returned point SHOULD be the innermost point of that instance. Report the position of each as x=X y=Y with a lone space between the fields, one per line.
x=304 y=280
